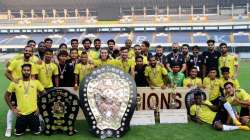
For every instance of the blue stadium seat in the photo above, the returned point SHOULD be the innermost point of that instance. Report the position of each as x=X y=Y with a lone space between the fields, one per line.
x=241 y=39
x=39 y=37
x=68 y=36
x=106 y=36
x=221 y=36
x=14 y=39
x=121 y=39
x=200 y=39
x=4 y=39
x=141 y=36
x=181 y=37
x=161 y=39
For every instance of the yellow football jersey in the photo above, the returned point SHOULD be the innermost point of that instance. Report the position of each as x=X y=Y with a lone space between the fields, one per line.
x=213 y=87
x=234 y=81
x=203 y=112
x=131 y=53
x=156 y=75
x=241 y=94
x=193 y=82
x=229 y=61
x=15 y=67
x=26 y=95
x=126 y=66
x=83 y=70
x=45 y=73
x=112 y=62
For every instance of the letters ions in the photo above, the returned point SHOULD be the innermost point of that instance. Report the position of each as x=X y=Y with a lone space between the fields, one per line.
x=160 y=100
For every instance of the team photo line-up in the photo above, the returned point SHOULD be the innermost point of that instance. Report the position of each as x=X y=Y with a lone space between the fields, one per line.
x=32 y=73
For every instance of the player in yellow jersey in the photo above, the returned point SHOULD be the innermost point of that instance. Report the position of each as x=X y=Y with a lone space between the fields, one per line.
x=26 y=110
x=47 y=70
x=128 y=44
x=111 y=47
x=225 y=72
x=156 y=74
x=212 y=84
x=33 y=58
x=14 y=72
x=86 y=43
x=228 y=60
x=62 y=47
x=40 y=50
x=192 y=81
x=126 y=64
x=48 y=42
x=204 y=111
x=74 y=43
x=95 y=52
x=238 y=97
x=82 y=69
x=92 y=55
x=105 y=59
x=137 y=50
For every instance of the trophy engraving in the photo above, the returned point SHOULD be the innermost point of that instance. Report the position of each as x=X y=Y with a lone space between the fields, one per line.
x=106 y=96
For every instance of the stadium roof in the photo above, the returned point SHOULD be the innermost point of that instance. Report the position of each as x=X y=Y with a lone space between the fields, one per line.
x=81 y=4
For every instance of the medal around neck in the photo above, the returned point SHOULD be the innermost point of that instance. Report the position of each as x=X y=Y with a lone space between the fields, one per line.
x=108 y=100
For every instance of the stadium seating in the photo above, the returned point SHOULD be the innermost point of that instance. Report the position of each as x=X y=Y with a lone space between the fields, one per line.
x=220 y=36
x=181 y=37
x=141 y=36
x=121 y=38
x=137 y=37
x=161 y=38
x=199 y=37
x=241 y=38
x=106 y=36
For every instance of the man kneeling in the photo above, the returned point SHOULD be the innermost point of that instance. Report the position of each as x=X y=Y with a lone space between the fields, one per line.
x=204 y=111
x=26 y=111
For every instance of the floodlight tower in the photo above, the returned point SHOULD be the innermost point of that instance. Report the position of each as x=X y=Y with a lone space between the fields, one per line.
x=9 y=14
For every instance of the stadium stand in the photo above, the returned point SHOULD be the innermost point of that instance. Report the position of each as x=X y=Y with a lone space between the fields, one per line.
x=241 y=37
x=141 y=36
x=159 y=21
x=138 y=37
x=220 y=36
x=181 y=37
x=199 y=37
x=161 y=38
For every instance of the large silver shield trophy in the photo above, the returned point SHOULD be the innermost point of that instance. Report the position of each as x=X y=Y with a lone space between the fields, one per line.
x=108 y=100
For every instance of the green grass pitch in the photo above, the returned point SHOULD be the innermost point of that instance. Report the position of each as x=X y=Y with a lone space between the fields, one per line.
x=157 y=132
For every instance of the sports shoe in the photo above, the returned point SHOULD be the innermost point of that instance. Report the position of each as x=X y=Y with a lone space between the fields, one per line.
x=36 y=133
x=244 y=128
x=19 y=134
x=42 y=126
x=8 y=133
x=236 y=122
